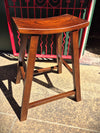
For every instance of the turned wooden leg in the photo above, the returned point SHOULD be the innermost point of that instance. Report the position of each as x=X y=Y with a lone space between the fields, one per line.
x=21 y=57
x=75 y=64
x=29 y=76
x=59 y=51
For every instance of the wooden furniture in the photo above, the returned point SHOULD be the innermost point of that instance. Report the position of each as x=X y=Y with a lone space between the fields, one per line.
x=53 y=25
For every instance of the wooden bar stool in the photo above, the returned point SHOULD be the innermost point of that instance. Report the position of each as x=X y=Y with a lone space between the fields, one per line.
x=52 y=25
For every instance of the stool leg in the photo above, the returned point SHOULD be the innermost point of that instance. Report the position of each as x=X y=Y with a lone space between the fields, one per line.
x=29 y=76
x=21 y=57
x=75 y=64
x=59 y=51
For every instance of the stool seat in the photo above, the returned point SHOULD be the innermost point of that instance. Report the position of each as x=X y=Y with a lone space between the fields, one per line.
x=35 y=27
x=51 y=25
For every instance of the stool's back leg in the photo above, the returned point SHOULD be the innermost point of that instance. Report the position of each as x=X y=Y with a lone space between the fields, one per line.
x=29 y=76
x=21 y=56
x=75 y=64
x=59 y=51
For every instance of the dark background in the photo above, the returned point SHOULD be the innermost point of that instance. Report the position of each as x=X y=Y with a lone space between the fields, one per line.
x=4 y=34
x=95 y=26
x=93 y=44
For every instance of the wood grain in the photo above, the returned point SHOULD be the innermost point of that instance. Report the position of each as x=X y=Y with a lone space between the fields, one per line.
x=67 y=66
x=75 y=64
x=52 y=98
x=59 y=51
x=51 y=25
x=29 y=76
x=21 y=57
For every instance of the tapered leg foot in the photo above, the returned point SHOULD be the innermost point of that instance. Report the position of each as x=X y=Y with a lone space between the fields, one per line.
x=75 y=64
x=29 y=77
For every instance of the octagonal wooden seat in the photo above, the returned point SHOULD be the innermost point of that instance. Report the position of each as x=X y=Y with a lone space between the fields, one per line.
x=53 y=25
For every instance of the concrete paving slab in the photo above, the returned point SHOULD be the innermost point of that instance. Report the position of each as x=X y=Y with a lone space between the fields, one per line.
x=64 y=115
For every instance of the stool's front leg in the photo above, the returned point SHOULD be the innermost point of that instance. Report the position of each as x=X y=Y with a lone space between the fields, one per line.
x=75 y=64
x=21 y=57
x=29 y=76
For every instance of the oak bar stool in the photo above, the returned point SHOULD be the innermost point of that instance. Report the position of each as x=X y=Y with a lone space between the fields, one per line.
x=35 y=27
